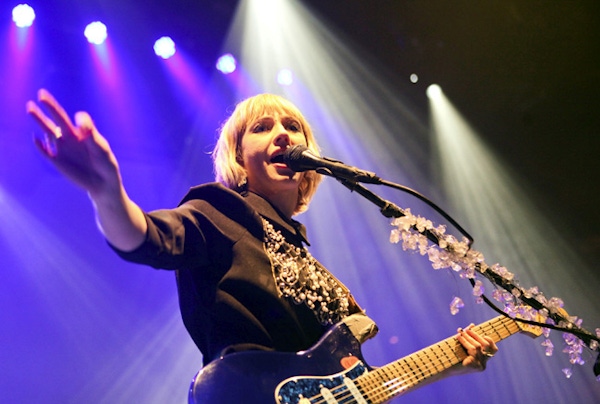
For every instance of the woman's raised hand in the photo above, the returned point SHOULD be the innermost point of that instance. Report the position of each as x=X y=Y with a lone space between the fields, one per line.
x=80 y=152
x=77 y=149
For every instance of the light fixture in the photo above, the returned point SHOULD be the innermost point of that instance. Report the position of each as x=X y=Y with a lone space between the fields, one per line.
x=96 y=33
x=226 y=64
x=164 y=47
x=23 y=15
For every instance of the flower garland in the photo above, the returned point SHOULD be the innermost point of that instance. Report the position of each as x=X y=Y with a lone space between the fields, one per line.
x=415 y=233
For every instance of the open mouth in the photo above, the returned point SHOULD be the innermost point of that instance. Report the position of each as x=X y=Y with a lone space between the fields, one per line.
x=277 y=159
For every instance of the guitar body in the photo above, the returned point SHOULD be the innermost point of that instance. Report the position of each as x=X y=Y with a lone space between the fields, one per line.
x=254 y=377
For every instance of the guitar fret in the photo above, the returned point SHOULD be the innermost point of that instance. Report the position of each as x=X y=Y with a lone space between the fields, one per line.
x=377 y=394
x=435 y=359
x=422 y=356
x=400 y=376
x=446 y=360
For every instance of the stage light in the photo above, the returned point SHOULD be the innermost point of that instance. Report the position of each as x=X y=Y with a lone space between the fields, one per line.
x=23 y=15
x=285 y=77
x=414 y=78
x=96 y=33
x=226 y=64
x=434 y=91
x=164 y=47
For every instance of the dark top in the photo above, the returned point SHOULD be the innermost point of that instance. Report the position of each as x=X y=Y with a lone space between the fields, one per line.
x=244 y=278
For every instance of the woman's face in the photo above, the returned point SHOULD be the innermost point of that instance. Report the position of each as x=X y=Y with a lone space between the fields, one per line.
x=265 y=138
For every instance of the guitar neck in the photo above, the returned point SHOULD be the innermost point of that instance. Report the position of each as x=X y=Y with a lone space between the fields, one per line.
x=406 y=373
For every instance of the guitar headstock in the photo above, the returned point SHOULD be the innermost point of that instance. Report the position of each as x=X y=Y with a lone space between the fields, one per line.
x=531 y=330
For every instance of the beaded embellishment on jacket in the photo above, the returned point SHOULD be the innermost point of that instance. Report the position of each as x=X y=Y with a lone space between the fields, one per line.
x=300 y=277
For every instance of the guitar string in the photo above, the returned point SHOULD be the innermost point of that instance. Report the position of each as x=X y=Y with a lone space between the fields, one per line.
x=403 y=381
x=449 y=346
x=396 y=384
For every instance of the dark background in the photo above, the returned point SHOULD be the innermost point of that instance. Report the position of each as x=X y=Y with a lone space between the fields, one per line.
x=525 y=74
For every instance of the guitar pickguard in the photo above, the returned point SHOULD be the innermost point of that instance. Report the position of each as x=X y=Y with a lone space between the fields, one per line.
x=300 y=389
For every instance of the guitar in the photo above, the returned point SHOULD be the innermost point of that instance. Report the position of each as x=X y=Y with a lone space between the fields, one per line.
x=333 y=370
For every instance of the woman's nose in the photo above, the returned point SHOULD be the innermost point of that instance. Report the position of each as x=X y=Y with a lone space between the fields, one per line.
x=282 y=138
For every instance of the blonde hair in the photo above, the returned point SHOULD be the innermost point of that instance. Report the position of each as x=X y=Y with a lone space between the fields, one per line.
x=226 y=153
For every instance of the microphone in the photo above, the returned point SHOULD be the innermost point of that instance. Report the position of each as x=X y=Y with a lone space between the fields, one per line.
x=299 y=158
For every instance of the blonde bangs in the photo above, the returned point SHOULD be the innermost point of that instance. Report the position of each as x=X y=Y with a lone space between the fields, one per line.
x=227 y=169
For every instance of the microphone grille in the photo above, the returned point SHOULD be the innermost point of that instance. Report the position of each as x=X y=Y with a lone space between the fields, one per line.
x=293 y=157
x=295 y=152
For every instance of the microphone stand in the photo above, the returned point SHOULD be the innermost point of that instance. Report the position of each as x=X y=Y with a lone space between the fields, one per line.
x=559 y=316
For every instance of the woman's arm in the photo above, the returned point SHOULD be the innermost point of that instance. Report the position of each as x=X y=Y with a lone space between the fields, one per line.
x=84 y=156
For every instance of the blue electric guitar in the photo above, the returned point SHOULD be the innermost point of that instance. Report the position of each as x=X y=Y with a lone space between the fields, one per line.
x=333 y=370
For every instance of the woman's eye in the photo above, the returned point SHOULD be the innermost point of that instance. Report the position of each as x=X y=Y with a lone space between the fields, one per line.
x=294 y=127
x=259 y=128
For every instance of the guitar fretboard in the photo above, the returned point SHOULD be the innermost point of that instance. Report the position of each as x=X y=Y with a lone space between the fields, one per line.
x=406 y=373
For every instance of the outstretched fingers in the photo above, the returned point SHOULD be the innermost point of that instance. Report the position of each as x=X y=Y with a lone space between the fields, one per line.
x=57 y=112
x=41 y=118
x=51 y=132
x=56 y=125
